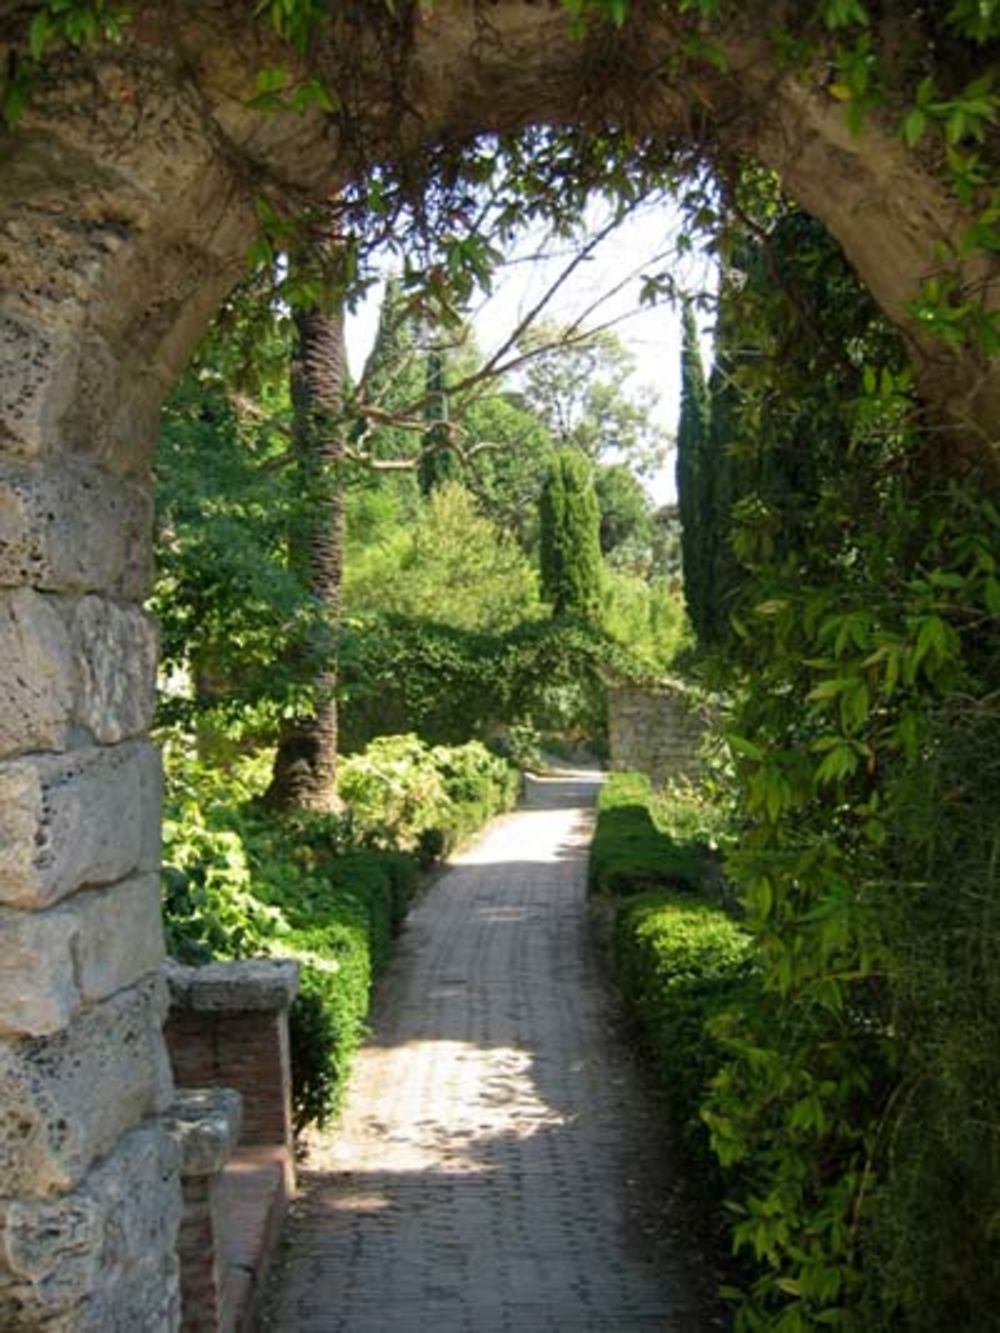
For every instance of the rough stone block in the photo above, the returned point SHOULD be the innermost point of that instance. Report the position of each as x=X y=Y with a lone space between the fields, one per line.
x=105 y=1252
x=98 y=942
x=38 y=990
x=34 y=384
x=73 y=528
x=66 y=1100
x=88 y=817
x=205 y=1125
x=119 y=937
x=36 y=673
x=115 y=651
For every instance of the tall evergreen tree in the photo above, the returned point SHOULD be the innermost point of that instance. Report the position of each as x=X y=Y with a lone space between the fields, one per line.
x=438 y=463
x=570 y=538
x=394 y=375
x=694 y=479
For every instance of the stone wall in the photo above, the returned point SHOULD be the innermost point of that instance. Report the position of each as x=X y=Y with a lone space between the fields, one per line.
x=655 y=731
x=84 y=1073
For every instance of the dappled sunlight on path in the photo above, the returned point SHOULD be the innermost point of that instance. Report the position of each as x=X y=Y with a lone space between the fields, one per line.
x=499 y=1164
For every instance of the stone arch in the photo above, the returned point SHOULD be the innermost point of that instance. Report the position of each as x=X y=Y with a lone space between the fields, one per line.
x=126 y=209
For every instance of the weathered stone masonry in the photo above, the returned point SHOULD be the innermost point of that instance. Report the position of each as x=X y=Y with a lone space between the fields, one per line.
x=90 y=1195
x=656 y=731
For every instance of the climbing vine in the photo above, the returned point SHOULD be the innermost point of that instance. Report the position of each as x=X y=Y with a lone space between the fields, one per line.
x=865 y=640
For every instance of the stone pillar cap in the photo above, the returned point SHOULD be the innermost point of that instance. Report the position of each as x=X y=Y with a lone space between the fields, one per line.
x=252 y=985
x=205 y=1125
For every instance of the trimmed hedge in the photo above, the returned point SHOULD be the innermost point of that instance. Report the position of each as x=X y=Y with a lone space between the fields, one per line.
x=679 y=962
x=631 y=854
x=679 y=954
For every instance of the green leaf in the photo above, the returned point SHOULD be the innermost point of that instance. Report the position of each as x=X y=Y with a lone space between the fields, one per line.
x=913 y=126
x=39 y=33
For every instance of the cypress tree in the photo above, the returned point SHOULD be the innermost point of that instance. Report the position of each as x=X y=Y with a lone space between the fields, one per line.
x=570 y=538
x=694 y=480
x=437 y=464
x=394 y=373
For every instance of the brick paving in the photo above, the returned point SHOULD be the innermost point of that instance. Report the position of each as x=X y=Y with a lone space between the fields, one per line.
x=499 y=1166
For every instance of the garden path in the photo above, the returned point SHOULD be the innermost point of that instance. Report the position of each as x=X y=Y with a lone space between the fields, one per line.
x=499 y=1166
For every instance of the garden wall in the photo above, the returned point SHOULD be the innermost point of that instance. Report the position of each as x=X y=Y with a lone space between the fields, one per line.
x=655 y=731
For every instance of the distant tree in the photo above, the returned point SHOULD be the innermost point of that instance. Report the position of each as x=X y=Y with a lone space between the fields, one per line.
x=626 y=514
x=694 y=478
x=570 y=538
x=665 y=545
x=507 y=477
x=577 y=386
x=393 y=378
x=450 y=564
x=727 y=469
x=438 y=463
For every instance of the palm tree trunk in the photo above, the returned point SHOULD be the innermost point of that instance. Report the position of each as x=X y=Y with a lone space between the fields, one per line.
x=306 y=763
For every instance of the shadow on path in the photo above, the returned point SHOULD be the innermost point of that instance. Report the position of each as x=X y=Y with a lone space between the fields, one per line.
x=500 y=1163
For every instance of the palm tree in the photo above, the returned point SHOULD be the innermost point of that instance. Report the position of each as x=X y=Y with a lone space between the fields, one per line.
x=306 y=762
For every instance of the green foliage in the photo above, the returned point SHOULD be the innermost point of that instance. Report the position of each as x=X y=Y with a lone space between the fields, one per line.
x=695 y=480
x=851 y=1107
x=578 y=389
x=626 y=515
x=438 y=464
x=399 y=789
x=680 y=957
x=646 y=618
x=447 y=684
x=630 y=854
x=508 y=475
x=241 y=881
x=478 y=784
x=680 y=962
x=450 y=562
x=933 y=1215
x=228 y=601
x=570 y=541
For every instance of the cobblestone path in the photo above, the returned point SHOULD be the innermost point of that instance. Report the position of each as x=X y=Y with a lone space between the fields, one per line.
x=498 y=1166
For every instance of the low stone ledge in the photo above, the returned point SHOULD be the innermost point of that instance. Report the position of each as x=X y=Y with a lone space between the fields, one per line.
x=256 y=985
x=205 y=1125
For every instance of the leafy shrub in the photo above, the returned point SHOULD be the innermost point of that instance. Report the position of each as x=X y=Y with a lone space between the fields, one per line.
x=393 y=789
x=449 y=555
x=479 y=785
x=679 y=962
x=401 y=792
x=241 y=881
x=630 y=854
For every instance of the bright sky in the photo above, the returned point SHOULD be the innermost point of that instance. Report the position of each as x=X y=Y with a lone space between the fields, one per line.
x=603 y=287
